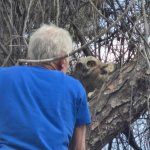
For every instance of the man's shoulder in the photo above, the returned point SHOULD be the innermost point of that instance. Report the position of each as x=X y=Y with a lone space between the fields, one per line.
x=8 y=69
x=11 y=68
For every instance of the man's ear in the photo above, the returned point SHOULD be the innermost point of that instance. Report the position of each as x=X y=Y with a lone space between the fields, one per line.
x=61 y=64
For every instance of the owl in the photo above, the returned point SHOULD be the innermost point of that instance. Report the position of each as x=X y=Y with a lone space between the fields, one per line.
x=92 y=72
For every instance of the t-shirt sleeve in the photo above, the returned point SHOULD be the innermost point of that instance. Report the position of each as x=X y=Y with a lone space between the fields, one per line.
x=83 y=116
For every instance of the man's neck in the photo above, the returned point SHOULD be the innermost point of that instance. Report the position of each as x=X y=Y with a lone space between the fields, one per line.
x=50 y=66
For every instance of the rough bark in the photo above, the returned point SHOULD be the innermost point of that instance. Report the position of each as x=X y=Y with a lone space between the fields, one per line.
x=118 y=104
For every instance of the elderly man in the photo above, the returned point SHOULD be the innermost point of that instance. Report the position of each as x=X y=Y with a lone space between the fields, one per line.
x=41 y=108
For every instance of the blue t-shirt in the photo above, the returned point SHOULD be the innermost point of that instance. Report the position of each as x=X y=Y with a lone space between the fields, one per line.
x=39 y=108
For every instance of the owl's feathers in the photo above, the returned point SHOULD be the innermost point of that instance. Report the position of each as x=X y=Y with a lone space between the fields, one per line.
x=92 y=72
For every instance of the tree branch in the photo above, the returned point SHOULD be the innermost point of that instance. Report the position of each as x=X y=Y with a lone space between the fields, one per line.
x=85 y=45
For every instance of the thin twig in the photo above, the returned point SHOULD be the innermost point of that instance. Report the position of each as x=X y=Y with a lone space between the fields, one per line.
x=6 y=52
x=98 y=11
x=25 y=22
x=8 y=19
x=146 y=30
x=11 y=39
x=57 y=17
x=7 y=58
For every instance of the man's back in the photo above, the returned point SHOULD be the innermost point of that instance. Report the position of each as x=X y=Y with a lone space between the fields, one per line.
x=39 y=108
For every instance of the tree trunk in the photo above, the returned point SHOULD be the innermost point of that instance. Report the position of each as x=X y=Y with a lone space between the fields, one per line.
x=118 y=104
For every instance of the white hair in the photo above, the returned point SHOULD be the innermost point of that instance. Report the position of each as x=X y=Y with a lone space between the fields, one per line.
x=49 y=41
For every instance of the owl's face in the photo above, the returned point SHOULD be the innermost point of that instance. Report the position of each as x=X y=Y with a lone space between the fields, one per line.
x=86 y=66
x=92 y=73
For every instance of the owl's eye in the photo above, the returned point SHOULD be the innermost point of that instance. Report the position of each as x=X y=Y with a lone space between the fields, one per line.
x=91 y=63
x=79 y=66
x=103 y=71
